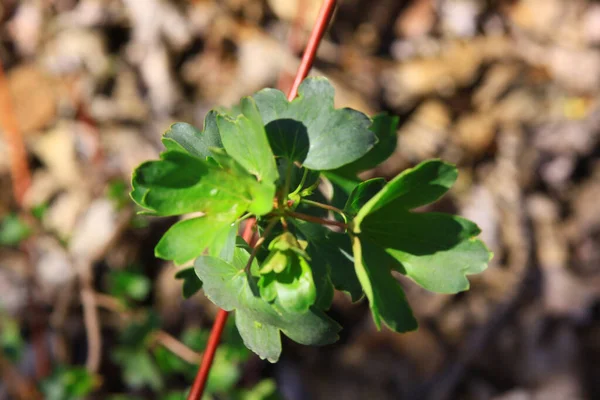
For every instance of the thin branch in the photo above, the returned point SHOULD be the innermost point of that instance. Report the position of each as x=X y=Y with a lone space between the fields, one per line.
x=316 y=220
x=310 y=53
x=90 y=316
x=176 y=347
x=19 y=168
x=323 y=206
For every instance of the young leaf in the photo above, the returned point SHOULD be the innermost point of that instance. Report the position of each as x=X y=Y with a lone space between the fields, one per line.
x=293 y=287
x=190 y=238
x=229 y=286
x=335 y=137
x=245 y=139
x=180 y=183
x=414 y=187
x=386 y=297
x=191 y=283
x=332 y=262
x=184 y=136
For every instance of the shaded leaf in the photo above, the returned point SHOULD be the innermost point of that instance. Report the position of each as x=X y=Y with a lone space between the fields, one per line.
x=191 y=283
x=332 y=262
x=335 y=137
x=362 y=193
x=384 y=127
x=386 y=297
x=230 y=287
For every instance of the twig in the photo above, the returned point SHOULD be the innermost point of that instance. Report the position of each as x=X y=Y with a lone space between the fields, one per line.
x=316 y=220
x=90 y=316
x=176 y=347
x=323 y=206
x=313 y=44
x=19 y=168
x=307 y=60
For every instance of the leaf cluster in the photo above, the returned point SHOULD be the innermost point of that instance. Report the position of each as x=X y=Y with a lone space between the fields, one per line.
x=267 y=159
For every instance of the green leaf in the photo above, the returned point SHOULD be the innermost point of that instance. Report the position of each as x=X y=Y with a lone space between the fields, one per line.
x=311 y=127
x=183 y=136
x=384 y=126
x=332 y=262
x=245 y=139
x=139 y=369
x=129 y=284
x=263 y=390
x=190 y=238
x=262 y=339
x=436 y=250
x=191 y=283
x=386 y=297
x=224 y=373
x=362 y=193
x=11 y=341
x=13 y=230
x=229 y=286
x=180 y=183
x=414 y=187
x=68 y=383
x=293 y=287
x=136 y=333
x=169 y=363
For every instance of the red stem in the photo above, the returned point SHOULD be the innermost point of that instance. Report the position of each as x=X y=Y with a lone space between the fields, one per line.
x=316 y=35
x=313 y=44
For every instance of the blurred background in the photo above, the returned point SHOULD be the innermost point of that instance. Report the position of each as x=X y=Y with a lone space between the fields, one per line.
x=507 y=90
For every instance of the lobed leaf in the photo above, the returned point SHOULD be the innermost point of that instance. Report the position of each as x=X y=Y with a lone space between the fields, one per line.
x=386 y=297
x=332 y=262
x=190 y=238
x=191 y=283
x=180 y=183
x=436 y=250
x=310 y=130
x=183 y=136
x=244 y=139
x=230 y=287
x=384 y=127
x=414 y=187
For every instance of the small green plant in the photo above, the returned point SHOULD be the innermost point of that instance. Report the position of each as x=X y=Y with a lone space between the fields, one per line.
x=266 y=159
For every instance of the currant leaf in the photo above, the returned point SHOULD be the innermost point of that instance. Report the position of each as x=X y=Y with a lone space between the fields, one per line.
x=436 y=250
x=244 y=139
x=310 y=130
x=386 y=297
x=190 y=238
x=231 y=287
x=183 y=136
x=384 y=127
x=180 y=183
